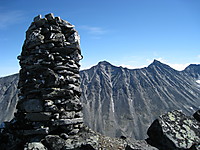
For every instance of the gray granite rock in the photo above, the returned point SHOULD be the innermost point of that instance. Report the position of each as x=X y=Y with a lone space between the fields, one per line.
x=63 y=122
x=34 y=146
x=50 y=16
x=37 y=18
x=38 y=131
x=174 y=130
x=40 y=22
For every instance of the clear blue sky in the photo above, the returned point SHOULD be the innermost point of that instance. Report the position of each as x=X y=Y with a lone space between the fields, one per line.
x=124 y=32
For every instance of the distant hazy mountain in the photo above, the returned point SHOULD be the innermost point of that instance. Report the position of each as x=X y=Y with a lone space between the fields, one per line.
x=119 y=101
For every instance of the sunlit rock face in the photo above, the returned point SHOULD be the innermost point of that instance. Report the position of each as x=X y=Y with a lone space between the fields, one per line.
x=175 y=130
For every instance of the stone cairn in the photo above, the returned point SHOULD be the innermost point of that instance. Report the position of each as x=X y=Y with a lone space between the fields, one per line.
x=49 y=82
x=49 y=78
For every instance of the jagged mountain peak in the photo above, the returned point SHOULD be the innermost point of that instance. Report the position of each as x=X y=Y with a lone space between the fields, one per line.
x=193 y=70
x=105 y=64
x=155 y=63
x=193 y=67
x=158 y=64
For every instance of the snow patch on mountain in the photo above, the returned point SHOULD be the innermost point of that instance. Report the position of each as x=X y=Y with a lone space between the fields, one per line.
x=198 y=81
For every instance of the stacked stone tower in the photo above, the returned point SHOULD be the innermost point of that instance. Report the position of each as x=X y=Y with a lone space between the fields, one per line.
x=49 y=78
x=49 y=109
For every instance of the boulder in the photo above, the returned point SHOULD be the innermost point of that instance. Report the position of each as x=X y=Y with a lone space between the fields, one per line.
x=174 y=130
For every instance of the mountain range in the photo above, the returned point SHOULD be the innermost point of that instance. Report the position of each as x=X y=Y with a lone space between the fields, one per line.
x=124 y=102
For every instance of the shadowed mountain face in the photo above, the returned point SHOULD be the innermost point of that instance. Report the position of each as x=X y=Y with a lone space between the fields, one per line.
x=119 y=101
x=8 y=96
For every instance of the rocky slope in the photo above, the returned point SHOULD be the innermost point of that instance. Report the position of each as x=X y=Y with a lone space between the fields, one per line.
x=119 y=101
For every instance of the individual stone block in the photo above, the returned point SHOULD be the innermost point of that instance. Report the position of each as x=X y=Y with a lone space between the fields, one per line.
x=50 y=17
x=67 y=24
x=39 y=131
x=40 y=22
x=52 y=108
x=74 y=87
x=63 y=122
x=35 y=37
x=74 y=38
x=74 y=132
x=48 y=103
x=64 y=136
x=67 y=115
x=55 y=28
x=61 y=67
x=72 y=105
x=79 y=114
x=63 y=50
x=58 y=19
x=42 y=116
x=55 y=37
x=32 y=105
x=37 y=18
x=54 y=93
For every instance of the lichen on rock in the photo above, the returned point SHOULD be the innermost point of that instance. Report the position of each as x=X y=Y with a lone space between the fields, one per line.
x=174 y=130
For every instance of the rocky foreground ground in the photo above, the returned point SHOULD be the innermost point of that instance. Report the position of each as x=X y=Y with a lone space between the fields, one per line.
x=171 y=131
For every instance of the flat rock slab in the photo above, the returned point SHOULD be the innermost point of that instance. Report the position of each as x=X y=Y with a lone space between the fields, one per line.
x=41 y=116
x=40 y=131
x=62 y=122
x=174 y=130
x=32 y=105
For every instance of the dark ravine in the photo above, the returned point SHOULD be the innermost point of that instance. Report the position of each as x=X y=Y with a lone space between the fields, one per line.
x=137 y=96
